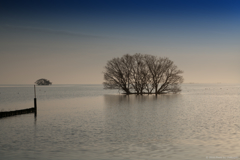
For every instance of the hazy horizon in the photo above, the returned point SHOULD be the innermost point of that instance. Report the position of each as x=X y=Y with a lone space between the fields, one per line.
x=102 y=84
x=70 y=42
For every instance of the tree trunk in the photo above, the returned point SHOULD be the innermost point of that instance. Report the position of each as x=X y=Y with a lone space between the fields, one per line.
x=156 y=86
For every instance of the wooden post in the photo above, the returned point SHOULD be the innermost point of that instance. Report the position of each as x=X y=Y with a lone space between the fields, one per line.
x=35 y=101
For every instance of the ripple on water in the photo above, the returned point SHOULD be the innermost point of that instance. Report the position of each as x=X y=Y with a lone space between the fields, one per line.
x=192 y=125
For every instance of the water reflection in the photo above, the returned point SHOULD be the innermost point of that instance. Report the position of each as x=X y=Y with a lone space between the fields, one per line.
x=133 y=99
x=142 y=118
x=176 y=123
x=186 y=126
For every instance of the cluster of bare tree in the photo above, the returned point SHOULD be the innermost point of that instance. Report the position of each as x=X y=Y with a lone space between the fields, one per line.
x=43 y=81
x=142 y=74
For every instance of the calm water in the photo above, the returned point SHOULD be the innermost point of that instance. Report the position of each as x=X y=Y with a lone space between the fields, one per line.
x=89 y=123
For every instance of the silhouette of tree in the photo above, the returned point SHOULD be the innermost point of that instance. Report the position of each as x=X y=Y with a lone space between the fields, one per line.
x=43 y=81
x=142 y=74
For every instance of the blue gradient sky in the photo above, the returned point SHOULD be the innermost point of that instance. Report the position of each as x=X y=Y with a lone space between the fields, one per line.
x=71 y=41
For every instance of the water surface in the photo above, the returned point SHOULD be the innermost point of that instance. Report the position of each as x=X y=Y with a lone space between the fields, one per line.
x=87 y=122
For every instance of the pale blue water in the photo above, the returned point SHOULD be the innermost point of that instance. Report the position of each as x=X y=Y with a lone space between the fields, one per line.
x=87 y=122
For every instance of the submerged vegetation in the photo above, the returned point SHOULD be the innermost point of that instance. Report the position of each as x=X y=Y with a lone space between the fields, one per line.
x=142 y=74
x=43 y=81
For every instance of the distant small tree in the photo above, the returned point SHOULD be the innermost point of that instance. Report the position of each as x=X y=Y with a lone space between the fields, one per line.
x=43 y=81
x=142 y=74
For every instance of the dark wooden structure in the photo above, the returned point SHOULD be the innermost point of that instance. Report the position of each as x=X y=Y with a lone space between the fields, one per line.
x=22 y=111
x=17 y=112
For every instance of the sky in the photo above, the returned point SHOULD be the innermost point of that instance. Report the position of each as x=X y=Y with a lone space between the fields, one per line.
x=70 y=42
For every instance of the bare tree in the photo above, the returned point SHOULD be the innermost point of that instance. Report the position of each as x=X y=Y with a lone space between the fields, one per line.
x=164 y=74
x=43 y=81
x=116 y=76
x=142 y=74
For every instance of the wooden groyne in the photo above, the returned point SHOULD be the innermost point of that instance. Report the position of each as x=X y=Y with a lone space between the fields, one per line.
x=22 y=111
x=17 y=112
